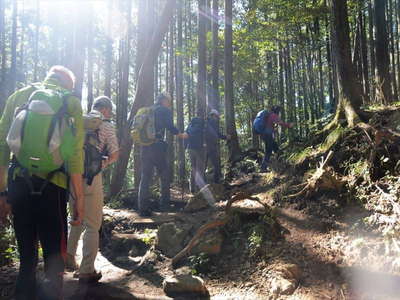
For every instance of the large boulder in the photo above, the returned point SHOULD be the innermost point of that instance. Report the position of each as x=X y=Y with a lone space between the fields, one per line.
x=207 y=196
x=185 y=285
x=171 y=238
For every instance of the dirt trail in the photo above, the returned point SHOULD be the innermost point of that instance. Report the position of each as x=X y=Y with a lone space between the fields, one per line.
x=339 y=259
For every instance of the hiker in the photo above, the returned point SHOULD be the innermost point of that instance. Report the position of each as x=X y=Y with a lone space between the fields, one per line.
x=195 y=146
x=213 y=134
x=270 y=121
x=42 y=125
x=108 y=149
x=154 y=155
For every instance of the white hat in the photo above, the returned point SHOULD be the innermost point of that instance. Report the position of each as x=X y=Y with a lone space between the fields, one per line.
x=214 y=112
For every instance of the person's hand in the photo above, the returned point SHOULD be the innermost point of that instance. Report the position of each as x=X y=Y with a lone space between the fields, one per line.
x=77 y=214
x=183 y=136
x=290 y=125
x=5 y=210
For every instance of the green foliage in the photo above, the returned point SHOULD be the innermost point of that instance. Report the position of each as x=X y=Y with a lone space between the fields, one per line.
x=8 y=246
x=200 y=264
x=149 y=236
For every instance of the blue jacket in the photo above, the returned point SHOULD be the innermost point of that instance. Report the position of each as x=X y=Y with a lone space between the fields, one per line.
x=195 y=130
x=213 y=133
x=164 y=120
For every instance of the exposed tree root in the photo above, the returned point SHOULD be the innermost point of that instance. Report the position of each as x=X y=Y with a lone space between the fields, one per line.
x=213 y=224
x=323 y=178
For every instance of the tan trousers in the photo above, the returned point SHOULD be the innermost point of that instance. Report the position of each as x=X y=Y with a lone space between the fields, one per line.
x=91 y=224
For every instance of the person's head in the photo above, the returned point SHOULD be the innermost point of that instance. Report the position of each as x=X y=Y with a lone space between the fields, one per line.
x=164 y=99
x=214 y=114
x=104 y=105
x=276 y=109
x=63 y=76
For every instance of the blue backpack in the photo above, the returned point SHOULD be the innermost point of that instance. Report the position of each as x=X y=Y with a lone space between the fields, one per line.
x=259 y=122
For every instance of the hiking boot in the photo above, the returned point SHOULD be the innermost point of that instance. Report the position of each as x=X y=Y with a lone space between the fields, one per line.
x=70 y=263
x=89 y=277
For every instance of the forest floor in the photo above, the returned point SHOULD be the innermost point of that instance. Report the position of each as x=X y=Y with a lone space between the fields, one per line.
x=340 y=242
x=337 y=256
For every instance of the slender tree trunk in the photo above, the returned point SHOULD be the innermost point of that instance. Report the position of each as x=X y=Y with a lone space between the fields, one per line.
x=109 y=51
x=179 y=95
x=372 y=48
x=36 y=45
x=230 y=124
x=202 y=57
x=145 y=77
x=215 y=97
x=392 y=50
x=90 y=54
x=13 y=71
x=384 y=90
x=2 y=41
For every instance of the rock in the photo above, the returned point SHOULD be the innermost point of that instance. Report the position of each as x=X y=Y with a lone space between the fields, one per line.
x=123 y=243
x=171 y=237
x=211 y=244
x=183 y=271
x=282 y=286
x=184 y=284
x=287 y=279
x=207 y=196
x=289 y=271
x=196 y=203
x=248 y=206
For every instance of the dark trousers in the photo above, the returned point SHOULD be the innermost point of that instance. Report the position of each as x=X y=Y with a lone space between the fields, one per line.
x=197 y=163
x=212 y=156
x=270 y=145
x=154 y=156
x=39 y=218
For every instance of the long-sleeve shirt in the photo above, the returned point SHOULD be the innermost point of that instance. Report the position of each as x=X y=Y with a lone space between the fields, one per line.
x=273 y=119
x=164 y=120
x=213 y=133
x=75 y=164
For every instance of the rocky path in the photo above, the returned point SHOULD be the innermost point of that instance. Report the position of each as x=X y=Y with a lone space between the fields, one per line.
x=334 y=255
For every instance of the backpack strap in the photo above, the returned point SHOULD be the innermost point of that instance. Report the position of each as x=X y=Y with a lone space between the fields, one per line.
x=58 y=115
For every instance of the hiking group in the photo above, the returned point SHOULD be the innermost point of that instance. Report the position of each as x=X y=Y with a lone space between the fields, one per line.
x=58 y=154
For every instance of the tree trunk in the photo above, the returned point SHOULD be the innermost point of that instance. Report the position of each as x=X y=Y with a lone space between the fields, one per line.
x=14 y=40
x=109 y=51
x=202 y=57
x=384 y=90
x=234 y=148
x=145 y=78
x=36 y=45
x=90 y=54
x=179 y=96
x=350 y=91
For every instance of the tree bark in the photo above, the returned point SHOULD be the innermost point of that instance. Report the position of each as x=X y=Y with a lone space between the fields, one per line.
x=109 y=51
x=179 y=95
x=202 y=61
x=233 y=145
x=350 y=91
x=145 y=77
x=384 y=89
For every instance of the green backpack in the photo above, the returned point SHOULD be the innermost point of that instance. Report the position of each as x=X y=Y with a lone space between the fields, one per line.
x=42 y=135
x=143 y=129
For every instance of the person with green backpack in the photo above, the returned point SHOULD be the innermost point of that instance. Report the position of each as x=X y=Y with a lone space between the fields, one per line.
x=101 y=150
x=43 y=128
x=148 y=132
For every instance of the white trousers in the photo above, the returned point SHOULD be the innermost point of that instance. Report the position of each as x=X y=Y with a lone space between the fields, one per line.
x=93 y=203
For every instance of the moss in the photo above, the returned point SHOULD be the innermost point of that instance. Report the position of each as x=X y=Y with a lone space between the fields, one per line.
x=331 y=139
x=299 y=157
